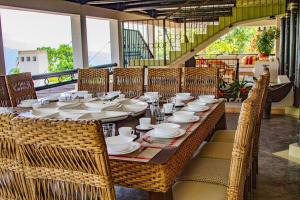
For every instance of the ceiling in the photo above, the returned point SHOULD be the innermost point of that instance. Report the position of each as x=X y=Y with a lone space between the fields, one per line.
x=173 y=9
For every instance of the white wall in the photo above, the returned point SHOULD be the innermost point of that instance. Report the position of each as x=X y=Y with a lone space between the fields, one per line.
x=39 y=66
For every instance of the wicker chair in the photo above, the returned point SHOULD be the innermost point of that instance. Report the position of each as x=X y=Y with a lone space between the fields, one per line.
x=93 y=80
x=192 y=186
x=4 y=96
x=225 y=71
x=228 y=135
x=221 y=149
x=65 y=159
x=199 y=81
x=12 y=179
x=20 y=87
x=129 y=81
x=166 y=81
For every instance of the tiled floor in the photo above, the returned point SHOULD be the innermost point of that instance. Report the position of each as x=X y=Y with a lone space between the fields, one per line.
x=278 y=179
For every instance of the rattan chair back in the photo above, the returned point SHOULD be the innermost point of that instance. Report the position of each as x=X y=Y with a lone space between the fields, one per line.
x=130 y=81
x=201 y=80
x=262 y=84
x=166 y=81
x=65 y=159
x=12 y=179
x=4 y=96
x=93 y=80
x=20 y=87
x=242 y=146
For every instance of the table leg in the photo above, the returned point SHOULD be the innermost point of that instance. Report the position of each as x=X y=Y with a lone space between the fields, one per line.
x=221 y=125
x=161 y=195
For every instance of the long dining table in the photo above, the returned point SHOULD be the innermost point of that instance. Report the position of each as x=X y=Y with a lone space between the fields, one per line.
x=157 y=174
x=157 y=163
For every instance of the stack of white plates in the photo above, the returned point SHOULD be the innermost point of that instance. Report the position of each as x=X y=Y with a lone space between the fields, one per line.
x=150 y=97
x=120 y=145
x=183 y=117
x=207 y=99
x=184 y=96
x=167 y=130
x=27 y=103
x=196 y=107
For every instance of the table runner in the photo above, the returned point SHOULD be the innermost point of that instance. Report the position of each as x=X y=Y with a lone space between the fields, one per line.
x=151 y=146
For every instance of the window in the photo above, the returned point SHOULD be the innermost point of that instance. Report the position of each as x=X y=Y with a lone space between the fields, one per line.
x=53 y=35
x=99 y=47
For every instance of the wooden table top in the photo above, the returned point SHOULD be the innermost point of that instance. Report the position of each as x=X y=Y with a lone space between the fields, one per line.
x=159 y=174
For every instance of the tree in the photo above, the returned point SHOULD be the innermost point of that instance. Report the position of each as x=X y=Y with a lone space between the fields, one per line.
x=265 y=41
x=235 y=42
x=60 y=59
x=15 y=70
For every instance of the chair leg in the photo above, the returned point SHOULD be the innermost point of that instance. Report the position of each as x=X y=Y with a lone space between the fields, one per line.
x=254 y=174
x=256 y=164
x=247 y=189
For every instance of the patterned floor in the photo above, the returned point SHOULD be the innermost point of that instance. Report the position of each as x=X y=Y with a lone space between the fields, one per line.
x=278 y=179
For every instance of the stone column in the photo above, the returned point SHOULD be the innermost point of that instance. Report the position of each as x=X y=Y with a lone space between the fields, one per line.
x=79 y=41
x=287 y=44
x=282 y=44
x=292 y=56
x=2 y=59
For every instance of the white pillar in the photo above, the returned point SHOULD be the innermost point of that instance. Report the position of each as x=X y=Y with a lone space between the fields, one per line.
x=151 y=37
x=2 y=59
x=79 y=41
x=116 y=46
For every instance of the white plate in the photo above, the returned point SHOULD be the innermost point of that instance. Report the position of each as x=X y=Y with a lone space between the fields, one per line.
x=135 y=146
x=185 y=98
x=24 y=106
x=138 y=127
x=180 y=133
x=207 y=96
x=105 y=116
x=206 y=100
x=204 y=108
x=174 y=120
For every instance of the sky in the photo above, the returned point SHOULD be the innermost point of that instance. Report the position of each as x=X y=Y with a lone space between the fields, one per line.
x=25 y=30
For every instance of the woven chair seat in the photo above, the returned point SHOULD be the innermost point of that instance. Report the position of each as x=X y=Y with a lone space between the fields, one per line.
x=224 y=136
x=219 y=150
x=189 y=190
x=207 y=170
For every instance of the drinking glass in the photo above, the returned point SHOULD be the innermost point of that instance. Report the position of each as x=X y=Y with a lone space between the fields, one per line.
x=109 y=129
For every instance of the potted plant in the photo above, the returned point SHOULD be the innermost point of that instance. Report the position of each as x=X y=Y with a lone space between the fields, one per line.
x=236 y=89
x=265 y=42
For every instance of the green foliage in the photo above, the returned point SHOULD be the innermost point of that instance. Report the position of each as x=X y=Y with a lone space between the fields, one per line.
x=15 y=70
x=265 y=41
x=239 y=87
x=235 y=42
x=60 y=59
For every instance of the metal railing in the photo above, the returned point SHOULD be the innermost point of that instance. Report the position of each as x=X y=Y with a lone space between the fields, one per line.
x=63 y=78
x=228 y=68
x=168 y=38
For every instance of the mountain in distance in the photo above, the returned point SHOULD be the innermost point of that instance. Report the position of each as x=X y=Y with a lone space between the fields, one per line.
x=10 y=56
x=95 y=58
x=99 y=58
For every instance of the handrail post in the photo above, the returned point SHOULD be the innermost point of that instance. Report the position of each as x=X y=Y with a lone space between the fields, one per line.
x=164 y=42
x=237 y=69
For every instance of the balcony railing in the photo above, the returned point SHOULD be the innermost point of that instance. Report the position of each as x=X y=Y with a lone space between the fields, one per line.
x=63 y=78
